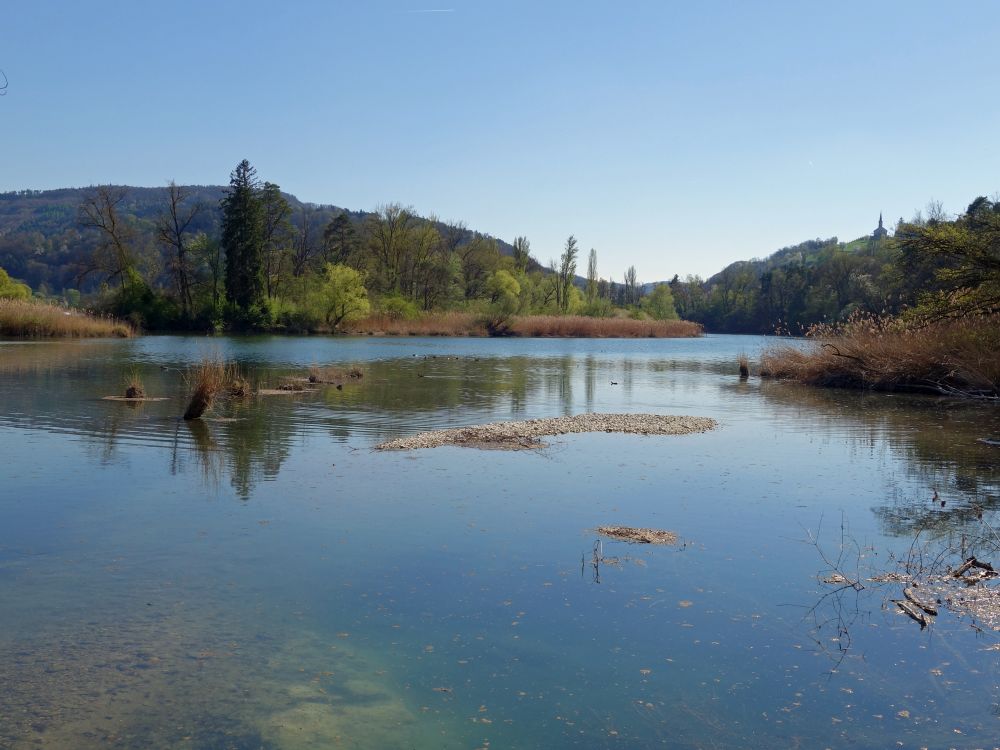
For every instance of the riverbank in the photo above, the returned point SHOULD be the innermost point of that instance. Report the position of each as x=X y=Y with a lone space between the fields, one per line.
x=32 y=319
x=528 y=326
x=953 y=358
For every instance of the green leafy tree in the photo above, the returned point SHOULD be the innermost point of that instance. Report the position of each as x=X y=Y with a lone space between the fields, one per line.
x=592 y=277
x=659 y=303
x=522 y=253
x=243 y=243
x=341 y=295
x=961 y=260
x=567 y=271
x=504 y=293
x=11 y=289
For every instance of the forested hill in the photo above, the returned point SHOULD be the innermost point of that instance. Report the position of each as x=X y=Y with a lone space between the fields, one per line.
x=43 y=243
x=817 y=281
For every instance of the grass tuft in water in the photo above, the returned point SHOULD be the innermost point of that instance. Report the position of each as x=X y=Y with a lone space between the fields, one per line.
x=207 y=380
x=134 y=387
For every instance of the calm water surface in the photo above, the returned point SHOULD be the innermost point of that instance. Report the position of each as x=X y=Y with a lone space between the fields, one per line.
x=264 y=579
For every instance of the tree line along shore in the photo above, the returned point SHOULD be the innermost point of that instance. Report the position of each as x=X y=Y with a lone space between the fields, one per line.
x=915 y=310
x=252 y=258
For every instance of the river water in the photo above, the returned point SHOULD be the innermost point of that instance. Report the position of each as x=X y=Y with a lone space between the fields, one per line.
x=263 y=578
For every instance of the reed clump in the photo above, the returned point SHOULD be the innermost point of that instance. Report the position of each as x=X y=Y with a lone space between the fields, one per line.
x=134 y=387
x=579 y=326
x=237 y=383
x=34 y=319
x=207 y=380
x=744 y=363
x=426 y=324
x=953 y=357
x=568 y=326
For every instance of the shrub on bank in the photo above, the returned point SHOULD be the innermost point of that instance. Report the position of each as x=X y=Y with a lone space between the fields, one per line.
x=955 y=357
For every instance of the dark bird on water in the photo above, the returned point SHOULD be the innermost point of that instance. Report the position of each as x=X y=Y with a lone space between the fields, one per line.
x=614 y=382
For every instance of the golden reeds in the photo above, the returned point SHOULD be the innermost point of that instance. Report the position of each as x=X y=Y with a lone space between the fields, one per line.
x=133 y=385
x=427 y=324
x=576 y=326
x=579 y=326
x=33 y=319
x=208 y=379
x=956 y=357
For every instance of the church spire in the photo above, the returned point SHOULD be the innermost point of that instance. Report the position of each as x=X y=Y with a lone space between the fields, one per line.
x=880 y=220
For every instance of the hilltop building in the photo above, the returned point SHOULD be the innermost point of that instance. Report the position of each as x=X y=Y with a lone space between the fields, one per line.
x=881 y=232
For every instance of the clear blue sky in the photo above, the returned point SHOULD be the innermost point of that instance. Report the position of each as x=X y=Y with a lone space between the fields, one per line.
x=674 y=136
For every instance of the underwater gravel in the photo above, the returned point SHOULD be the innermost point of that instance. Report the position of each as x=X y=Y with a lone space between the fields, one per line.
x=526 y=434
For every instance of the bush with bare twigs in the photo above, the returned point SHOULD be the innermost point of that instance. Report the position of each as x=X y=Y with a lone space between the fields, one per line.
x=952 y=357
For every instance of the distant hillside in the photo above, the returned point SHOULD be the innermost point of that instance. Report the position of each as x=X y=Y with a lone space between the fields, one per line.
x=816 y=281
x=42 y=243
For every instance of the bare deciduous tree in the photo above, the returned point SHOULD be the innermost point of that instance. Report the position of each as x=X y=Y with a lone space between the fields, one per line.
x=113 y=257
x=171 y=229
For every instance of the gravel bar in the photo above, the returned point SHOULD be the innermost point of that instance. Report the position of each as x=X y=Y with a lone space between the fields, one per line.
x=526 y=434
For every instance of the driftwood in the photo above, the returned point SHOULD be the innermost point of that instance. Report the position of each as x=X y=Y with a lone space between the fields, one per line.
x=928 y=607
x=972 y=562
x=913 y=611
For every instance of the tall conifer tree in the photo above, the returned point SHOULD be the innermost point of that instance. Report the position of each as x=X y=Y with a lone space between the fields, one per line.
x=243 y=242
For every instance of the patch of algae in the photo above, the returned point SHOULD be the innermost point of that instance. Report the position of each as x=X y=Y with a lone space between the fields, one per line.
x=341 y=701
x=195 y=680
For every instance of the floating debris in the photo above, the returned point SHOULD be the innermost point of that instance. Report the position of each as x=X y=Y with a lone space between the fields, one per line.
x=639 y=536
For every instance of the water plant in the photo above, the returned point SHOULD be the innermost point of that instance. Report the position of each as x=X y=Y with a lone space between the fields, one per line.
x=207 y=380
x=744 y=363
x=237 y=383
x=134 y=387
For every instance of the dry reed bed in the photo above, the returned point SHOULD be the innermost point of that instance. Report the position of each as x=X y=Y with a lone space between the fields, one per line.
x=566 y=326
x=579 y=326
x=428 y=324
x=959 y=358
x=32 y=319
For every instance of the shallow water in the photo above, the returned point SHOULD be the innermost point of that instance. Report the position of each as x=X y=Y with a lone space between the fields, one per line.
x=263 y=578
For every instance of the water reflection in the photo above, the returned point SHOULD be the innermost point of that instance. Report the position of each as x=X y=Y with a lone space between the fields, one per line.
x=262 y=579
x=934 y=441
